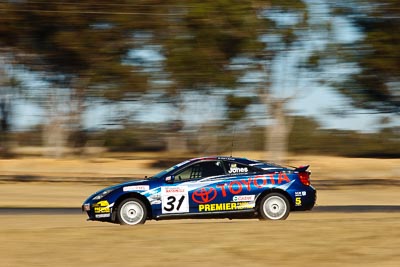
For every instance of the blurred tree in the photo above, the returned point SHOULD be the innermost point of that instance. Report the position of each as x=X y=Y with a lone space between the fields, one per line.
x=377 y=85
x=5 y=109
x=202 y=40
x=305 y=135
x=287 y=47
x=199 y=40
x=237 y=107
x=83 y=46
x=79 y=48
x=213 y=44
x=8 y=85
x=374 y=59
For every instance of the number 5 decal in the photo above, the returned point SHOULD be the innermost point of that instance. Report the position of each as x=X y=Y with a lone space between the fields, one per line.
x=174 y=199
x=298 y=201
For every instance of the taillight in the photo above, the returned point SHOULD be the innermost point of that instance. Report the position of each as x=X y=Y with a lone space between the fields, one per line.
x=305 y=178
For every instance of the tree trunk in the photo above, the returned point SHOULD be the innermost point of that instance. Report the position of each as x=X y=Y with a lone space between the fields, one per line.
x=54 y=135
x=176 y=138
x=5 y=110
x=207 y=139
x=277 y=133
x=4 y=127
x=77 y=109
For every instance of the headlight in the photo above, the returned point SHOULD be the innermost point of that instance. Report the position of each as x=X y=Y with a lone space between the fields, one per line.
x=102 y=194
x=86 y=207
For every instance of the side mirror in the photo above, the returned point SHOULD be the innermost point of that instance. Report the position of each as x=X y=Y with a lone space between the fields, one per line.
x=169 y=179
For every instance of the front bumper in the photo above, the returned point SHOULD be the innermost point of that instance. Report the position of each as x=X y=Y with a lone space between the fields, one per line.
x=100 y=211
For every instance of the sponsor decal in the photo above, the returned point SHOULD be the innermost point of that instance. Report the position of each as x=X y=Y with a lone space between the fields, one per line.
x=136 y=188
x=237 y=170
x=102 y=207
x=226 y=158
x=204 y=195
x=102 y=215
x=175 y=189
x=225 y=206
x=246 y=205
x=153 y=195
x=282 y=177
x=243 y=198
x=298 y=201
x=154 y=199
x=174 y=199
x=300 y=194
x=259 y=181
x=236 y=187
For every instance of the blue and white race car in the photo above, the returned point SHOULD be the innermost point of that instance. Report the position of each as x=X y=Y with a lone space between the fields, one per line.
x=209 y=187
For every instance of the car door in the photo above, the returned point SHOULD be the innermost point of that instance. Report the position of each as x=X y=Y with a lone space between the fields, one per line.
x=238 y=188
x=189 y=188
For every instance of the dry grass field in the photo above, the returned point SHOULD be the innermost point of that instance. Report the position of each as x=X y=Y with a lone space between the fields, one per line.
x=72 y=192
x=305 y=239
x=140 y=164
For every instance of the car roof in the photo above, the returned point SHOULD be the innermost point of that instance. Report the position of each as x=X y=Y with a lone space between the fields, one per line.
x=250 y=162
x=235 y=159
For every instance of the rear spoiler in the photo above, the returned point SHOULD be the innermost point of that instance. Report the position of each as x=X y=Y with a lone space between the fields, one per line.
x=302 y=168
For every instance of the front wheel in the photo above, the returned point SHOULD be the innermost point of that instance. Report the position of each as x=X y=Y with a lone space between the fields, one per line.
x=131 y=211
x=274 y=206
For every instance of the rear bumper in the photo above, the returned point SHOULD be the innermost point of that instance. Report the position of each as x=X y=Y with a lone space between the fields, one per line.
x=308 y=201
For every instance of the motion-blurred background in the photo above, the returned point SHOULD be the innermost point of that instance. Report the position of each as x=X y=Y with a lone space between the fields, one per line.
x=96 y=92
x=200 y=77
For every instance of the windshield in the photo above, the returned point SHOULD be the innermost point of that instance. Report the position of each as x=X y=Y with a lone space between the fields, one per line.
x=162 y=173
x=165 y=172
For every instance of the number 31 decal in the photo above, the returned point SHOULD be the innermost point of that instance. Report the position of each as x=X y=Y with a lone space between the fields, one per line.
x=174 y=199
x=172 y=202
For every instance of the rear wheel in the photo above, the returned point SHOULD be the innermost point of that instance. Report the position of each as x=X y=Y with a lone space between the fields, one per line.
x=274 y=206
x=132 y=211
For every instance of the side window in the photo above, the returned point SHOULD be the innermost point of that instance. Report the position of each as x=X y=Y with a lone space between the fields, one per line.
x=237 y=168
x=200 y=170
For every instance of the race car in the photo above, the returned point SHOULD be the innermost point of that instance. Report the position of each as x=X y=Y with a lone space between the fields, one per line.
x=208 y=187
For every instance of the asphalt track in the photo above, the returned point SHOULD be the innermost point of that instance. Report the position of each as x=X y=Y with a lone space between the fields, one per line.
x=317 y=209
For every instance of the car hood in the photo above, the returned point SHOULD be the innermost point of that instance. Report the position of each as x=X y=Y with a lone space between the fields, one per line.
x=129 y=186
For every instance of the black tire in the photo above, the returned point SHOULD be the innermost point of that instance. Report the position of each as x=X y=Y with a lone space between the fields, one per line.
x=131 y=211
x=274 y=206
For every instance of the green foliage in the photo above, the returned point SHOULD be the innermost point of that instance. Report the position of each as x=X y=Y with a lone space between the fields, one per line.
x=288 y=4
x=131 y=139
x=308 y=138
x=89 y=39
x=376 y=86
x=237 y=107
x=201 y=42
x=80 y=45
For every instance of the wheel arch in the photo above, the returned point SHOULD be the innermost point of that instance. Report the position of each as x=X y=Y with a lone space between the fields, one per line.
x=274 y=190
x=132 y=195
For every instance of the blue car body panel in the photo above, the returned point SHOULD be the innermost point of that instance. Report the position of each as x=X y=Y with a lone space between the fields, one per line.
x=236 y=190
